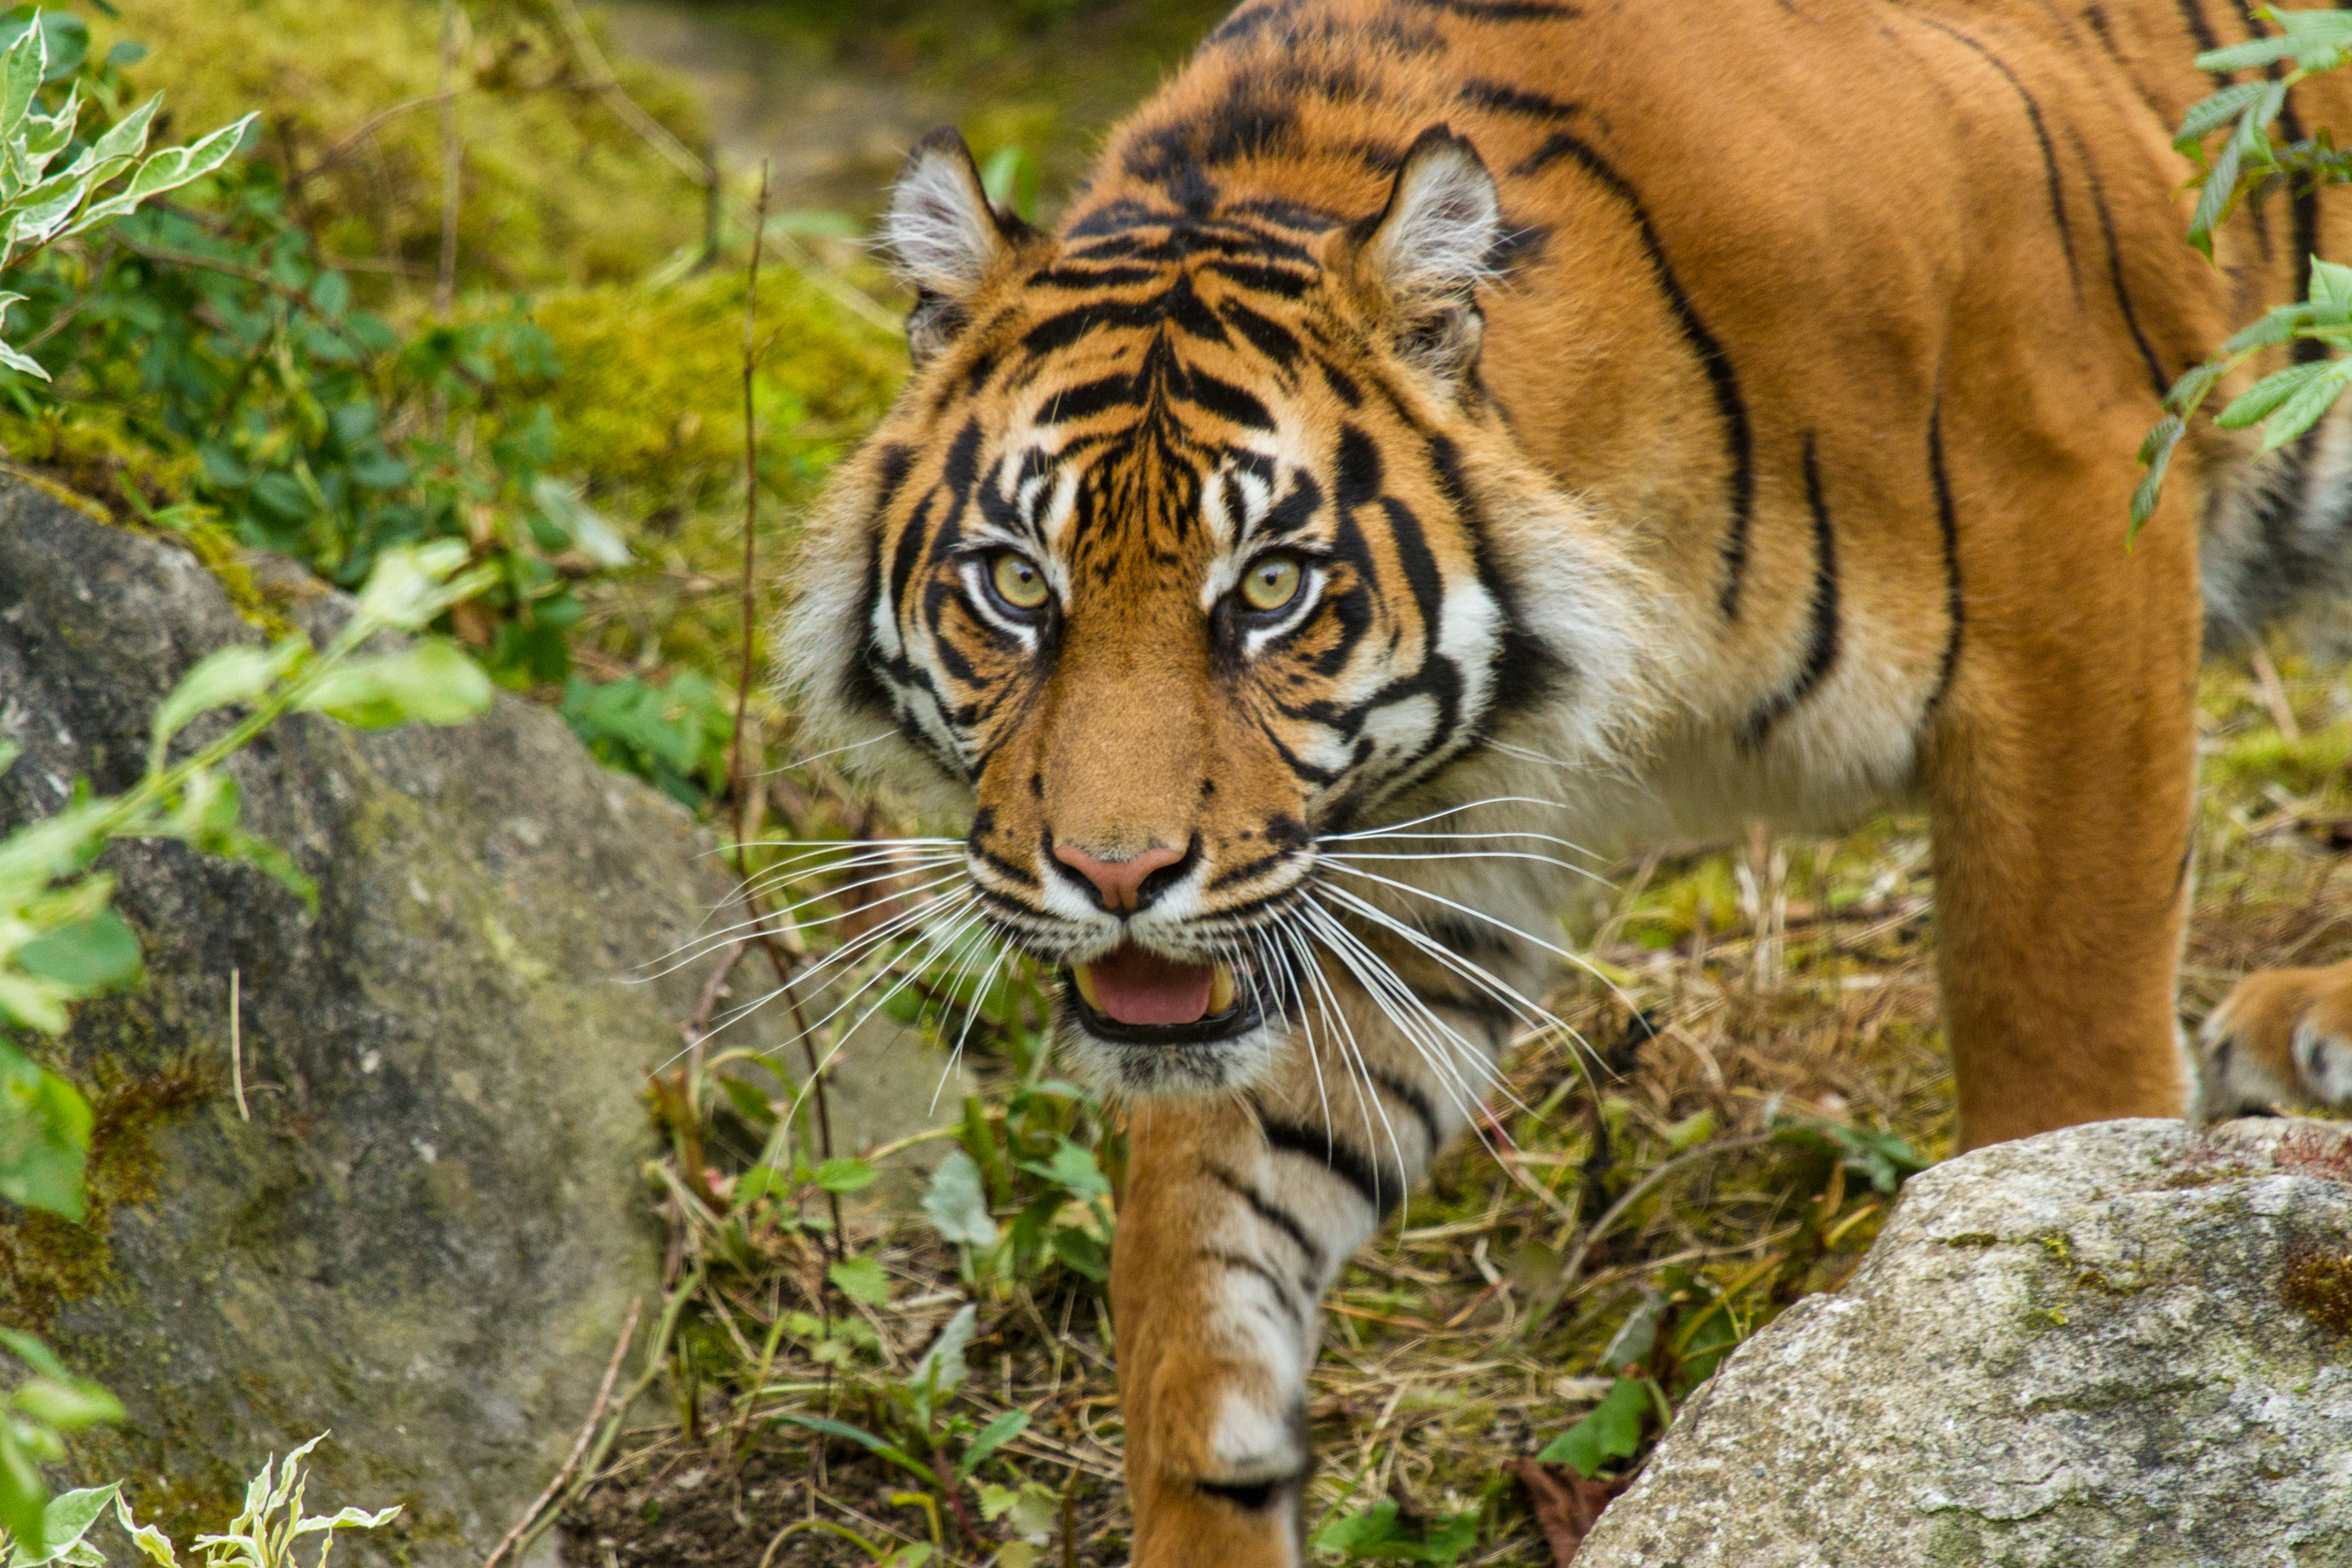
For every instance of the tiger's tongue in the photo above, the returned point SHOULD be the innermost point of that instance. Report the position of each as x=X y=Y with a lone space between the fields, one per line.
x=1137 y=987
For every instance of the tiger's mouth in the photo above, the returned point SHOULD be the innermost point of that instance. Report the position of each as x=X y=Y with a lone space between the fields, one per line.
x=1136 y=996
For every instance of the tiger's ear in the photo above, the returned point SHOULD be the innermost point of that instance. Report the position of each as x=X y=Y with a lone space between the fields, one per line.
x=944 y=233
x=1431 y=246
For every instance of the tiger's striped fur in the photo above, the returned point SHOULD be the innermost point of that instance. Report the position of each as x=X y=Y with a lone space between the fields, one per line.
x=1678 y=414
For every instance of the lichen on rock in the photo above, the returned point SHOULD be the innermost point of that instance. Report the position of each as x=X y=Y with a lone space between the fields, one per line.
x=2065 y=1350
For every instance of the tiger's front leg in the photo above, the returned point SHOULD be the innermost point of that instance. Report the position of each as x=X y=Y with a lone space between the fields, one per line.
x=1237 y=1216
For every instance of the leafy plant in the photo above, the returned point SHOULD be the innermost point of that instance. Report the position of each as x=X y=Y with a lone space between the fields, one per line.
x=37 y=206
x=62 y=943
x=939 y=1446
x=1382 y=1533
x=2249 y=163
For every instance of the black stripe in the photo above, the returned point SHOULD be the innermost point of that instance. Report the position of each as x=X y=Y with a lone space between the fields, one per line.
x=1226 y=400
x=1268 y=336
x=1721 y=377
x=1948 y=521
x=2155 y=376
x=1504 y=99
x=1410 y=1096
x=1343 y=1160
x=1248 y=1264
x=1274 y=1214
x=1502 y=10
x=2041 y=135
x=1821 y=648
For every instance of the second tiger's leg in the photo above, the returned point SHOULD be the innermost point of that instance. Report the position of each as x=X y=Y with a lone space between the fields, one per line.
x=1237 y=1215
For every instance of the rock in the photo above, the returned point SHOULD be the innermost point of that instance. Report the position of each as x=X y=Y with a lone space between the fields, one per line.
x=2124 y=1343
x=427 y=1233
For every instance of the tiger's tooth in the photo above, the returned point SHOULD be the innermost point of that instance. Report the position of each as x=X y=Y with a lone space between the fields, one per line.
x=1221 y=988
x=1084 y=974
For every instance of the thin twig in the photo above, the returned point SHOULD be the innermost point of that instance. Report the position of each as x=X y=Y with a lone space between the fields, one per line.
x=444 y=289
x=738 y=780
x=236 y=1050
x=684 y=158
x=341 y=149
x=579 y=1444
x=1633 y=1194
x=2273 y=690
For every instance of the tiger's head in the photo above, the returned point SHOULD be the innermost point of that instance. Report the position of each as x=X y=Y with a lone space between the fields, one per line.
x=1193 y=541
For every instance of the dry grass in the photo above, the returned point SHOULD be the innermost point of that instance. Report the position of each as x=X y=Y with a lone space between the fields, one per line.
x=1746 y=988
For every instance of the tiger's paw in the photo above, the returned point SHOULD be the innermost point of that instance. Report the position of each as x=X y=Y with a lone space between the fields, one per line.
x=2281 y=1042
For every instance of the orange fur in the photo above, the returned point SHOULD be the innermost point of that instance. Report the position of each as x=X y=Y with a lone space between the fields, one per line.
x=1727 y=416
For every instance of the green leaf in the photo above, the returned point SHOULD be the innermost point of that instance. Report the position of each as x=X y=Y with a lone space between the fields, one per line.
x=750 y=1105
x=1074 y=1170
x=2214 y=201
x=44 y=1139
x=861 y=1280
x=2311 y=401
x=941 y=1370
x=2331 y=284
x=67 y=1405
x=858 y=1435
x=1635 y=1338
x=24 y=1497
x=2188 y=393
x=168 y=170
x=1609 y=1430
x=1378 y=1533
x=152 y=1544
x=23 y=364
x=1082 y=1253
x=958 y=1203
x=2258 y=402
x=990 y=1438
x=2208 y=115
x=412 y=583
x=234 y=675
x=90 y=956
x=430 y=682
x=66 y=1520
x=561 y=505
x=2155 y=452
x=21 y=70
x=34 y=1353
x=846 y=1174
x=2254 y=53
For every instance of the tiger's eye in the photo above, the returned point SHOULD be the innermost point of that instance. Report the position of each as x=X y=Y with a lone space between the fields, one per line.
x=1272 y=583
x=1018 y=581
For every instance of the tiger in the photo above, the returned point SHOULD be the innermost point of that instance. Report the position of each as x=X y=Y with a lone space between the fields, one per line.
x=1444 y=439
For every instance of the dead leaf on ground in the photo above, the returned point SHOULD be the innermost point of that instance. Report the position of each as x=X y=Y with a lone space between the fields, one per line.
x=1567 y=1505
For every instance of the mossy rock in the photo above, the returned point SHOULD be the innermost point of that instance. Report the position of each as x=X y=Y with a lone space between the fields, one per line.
x=425 y=1224
x=2122 y=1346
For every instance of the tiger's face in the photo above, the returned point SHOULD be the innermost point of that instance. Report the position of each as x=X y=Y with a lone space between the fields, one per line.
x=1168 y=565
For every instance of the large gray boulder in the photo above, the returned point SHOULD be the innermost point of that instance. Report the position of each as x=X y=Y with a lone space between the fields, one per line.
x=2124 y=1343
x=427 y=1235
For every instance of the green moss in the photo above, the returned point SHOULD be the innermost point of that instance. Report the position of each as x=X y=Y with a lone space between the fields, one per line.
x=46 y=1261
x=650 y=398
x=1973 y=1238
x=2305 y=767
x=556 y=188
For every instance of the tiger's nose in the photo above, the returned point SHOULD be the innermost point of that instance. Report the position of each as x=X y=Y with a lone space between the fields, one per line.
x=1118 y=883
